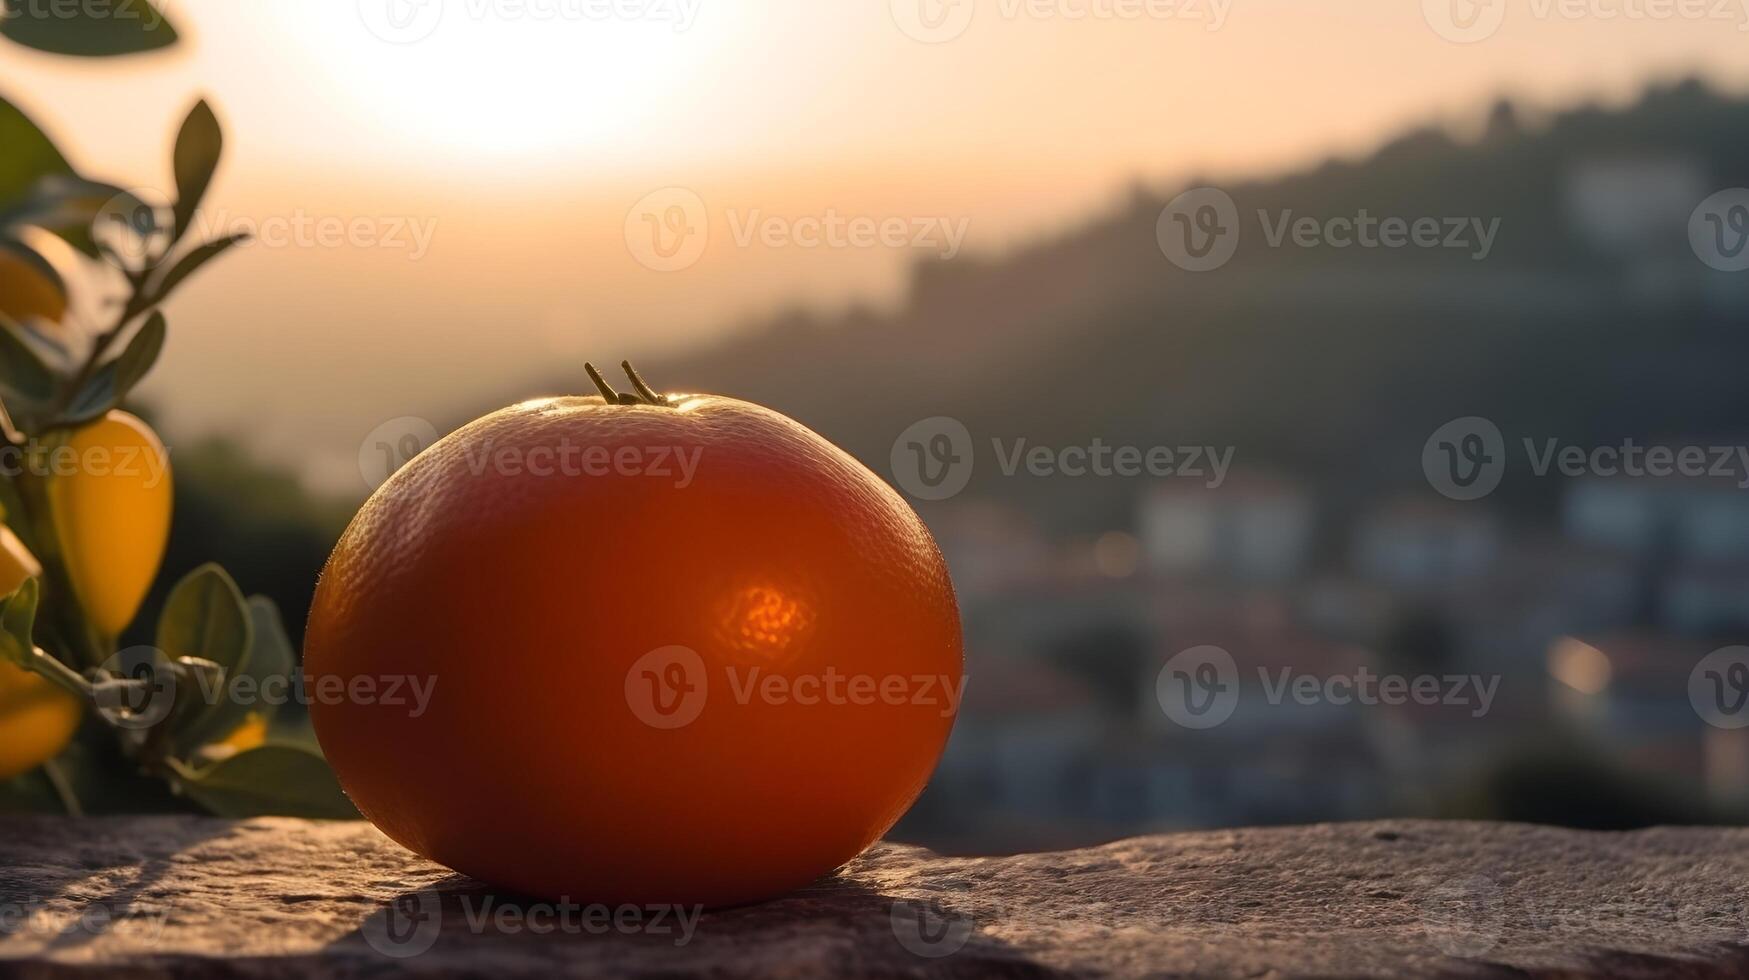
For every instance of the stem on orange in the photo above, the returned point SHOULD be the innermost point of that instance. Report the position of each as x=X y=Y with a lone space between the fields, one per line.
x=645 y=390
x=607 y=391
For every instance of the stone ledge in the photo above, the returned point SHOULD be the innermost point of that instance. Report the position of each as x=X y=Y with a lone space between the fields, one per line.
x=184 y=896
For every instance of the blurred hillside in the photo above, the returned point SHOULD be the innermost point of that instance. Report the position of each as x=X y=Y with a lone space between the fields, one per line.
x=1589 y=320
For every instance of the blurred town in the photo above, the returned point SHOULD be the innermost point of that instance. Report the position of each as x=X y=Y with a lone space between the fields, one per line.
x=1592 y=629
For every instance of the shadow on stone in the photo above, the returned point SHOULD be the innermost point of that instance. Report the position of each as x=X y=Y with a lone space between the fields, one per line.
x=72 y=905
x=836 y=925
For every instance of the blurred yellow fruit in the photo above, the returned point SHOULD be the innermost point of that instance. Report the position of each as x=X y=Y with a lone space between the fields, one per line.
x=36 y=717
x=250 y=733
x=25 y=292
x=111 y=508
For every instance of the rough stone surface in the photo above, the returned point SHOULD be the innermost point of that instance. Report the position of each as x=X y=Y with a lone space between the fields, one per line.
x=179 y=896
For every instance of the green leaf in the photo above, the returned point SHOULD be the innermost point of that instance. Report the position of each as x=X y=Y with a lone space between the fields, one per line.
x=140 y=354
x=72 y=207
x=35 y=260
x=28 y=155
x=196 y=258
x=273 y=780
x=106 y=781
x=17 y=620
x=271 y=653
x=87 y=30
x=113 y=381
x=198 y=147
x=22 y=371
x=270 y=656
x=205 y=617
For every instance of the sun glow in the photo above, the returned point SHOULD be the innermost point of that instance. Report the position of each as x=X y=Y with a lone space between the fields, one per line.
x=510 y=79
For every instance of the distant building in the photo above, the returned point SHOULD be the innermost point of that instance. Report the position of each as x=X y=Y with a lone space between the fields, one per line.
x=1022 y=730
x=1253 y=528
x=1630 y=690
x=1686 y=518
x=1424 y=545
x=1635 y=209
x=1635 y=206
x=1705 y=601
x=990 y=548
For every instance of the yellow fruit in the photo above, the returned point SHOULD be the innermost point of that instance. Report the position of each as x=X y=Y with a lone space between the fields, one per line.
x=25 y=292
x=250 y=733
x=111 y=501
x=36 y=717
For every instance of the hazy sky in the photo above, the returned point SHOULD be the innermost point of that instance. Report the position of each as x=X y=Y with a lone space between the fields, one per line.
x=454 y=193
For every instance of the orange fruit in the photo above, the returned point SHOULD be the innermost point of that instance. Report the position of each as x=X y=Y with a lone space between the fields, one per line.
x=677 y=649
